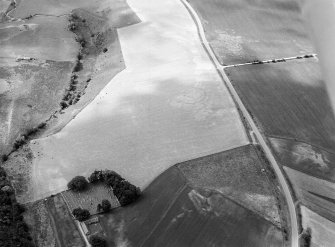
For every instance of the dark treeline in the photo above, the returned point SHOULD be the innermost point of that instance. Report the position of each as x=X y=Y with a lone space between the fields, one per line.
x=13 y=230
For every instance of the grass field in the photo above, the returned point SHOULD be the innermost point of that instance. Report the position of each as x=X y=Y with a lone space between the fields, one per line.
x=52 y=224
x=33 y=92
x=242 y=31
x=65 y=230
x=90 y=198
x=323 y=230
x=167 y=106
x=173 y=213
x=38 y=219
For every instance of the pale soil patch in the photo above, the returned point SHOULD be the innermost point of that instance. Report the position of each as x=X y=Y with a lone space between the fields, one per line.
x=117 y=11
x=323 y=230
x=168 y=106
x=304 y=184
x=42 y=37
x=306 y=158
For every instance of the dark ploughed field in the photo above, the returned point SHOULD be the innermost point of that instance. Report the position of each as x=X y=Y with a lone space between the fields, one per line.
x=174 y=212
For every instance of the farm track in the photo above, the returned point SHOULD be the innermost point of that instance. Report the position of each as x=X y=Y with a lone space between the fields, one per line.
x=261 y=139
x=277 y=60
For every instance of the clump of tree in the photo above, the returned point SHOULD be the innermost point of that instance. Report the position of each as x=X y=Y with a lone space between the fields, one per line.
x=124 y=191
x=78 y=66
x=97 y=241
x=306 y=238
x=106 y=206
x=13 y=230
x=4 y=157
x=20 y=141
x=78 y=183
x=81 y=214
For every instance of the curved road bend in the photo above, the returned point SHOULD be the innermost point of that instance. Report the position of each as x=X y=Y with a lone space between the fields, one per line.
x=267 y=150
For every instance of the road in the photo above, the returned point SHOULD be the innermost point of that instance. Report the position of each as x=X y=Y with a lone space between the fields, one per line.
x=262 y=142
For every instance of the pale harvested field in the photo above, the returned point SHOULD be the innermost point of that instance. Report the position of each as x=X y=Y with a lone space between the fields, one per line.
x=323 y=230
x=314 y=193
x=242 y=31
x=169 y=105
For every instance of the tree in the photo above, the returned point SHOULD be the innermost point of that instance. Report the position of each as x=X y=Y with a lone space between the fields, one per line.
x=78 y=183
x=81 y=214
x=306 y=238
x=97 y=241
x=128 y=196
x=95 y=177
x=106 y=206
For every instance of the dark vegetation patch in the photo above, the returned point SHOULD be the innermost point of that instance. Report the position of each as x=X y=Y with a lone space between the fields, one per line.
x=306 y=238
x=77 y=184
x=171 y=213
x=288 y=100
x=13 y=229
x=236 y=173
x=39 y=222
x=81 y=214
x=97 y=241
